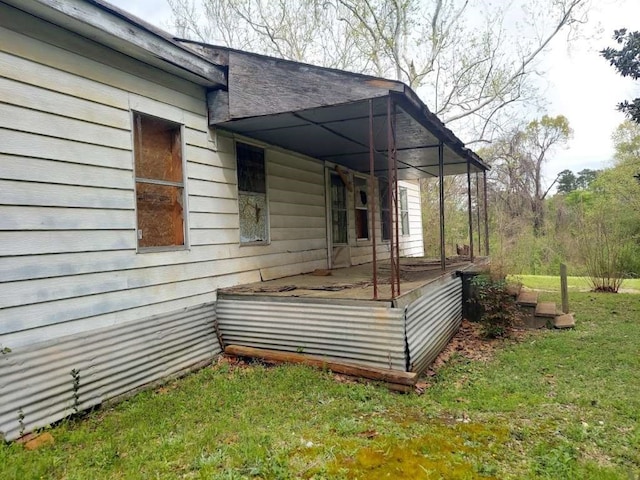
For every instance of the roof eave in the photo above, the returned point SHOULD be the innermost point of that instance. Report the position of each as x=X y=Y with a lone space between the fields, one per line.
x=127 y=34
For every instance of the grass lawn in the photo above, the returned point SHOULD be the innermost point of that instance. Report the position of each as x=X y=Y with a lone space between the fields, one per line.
x=555 y=405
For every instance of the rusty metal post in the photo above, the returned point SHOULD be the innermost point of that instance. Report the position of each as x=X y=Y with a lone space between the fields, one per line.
x=393 y=201
x=470 y=210
x=372 y=202
x=478 y=213
x=486 y=215
x=443 y=258
x=395 y=178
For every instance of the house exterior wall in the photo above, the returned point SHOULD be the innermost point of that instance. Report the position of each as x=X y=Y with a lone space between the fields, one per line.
x=75 y=293
x=68 y=260
x=68 y=249
x=297 y=226
x=412 y=245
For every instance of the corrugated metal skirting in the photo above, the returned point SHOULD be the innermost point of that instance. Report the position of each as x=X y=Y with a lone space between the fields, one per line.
x=432 y=320
x=367 y=335
x=45 y=382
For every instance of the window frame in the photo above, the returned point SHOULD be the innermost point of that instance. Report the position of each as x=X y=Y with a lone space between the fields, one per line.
x=239 y=192
x=333 y=175
x=384 y=207
x=404 y=212
x=134 y=114
x=356 y=179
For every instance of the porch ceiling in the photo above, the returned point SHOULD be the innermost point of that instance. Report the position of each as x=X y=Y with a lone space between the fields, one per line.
x=340 y=134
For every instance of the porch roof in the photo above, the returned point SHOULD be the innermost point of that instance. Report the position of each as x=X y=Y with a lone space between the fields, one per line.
x=340 y=134
x=324 y=113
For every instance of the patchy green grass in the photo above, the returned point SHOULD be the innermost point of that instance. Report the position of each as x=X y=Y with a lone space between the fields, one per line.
x=575 y=284
x=553 y=405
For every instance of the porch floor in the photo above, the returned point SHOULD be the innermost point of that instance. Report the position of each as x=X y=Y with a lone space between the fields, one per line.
x=356 y=282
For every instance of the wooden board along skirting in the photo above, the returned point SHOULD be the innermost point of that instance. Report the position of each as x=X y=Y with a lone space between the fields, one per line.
x=396 y=380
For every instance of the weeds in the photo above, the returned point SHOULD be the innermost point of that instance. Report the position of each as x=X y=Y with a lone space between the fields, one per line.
x=75 y=375
x=498 y=309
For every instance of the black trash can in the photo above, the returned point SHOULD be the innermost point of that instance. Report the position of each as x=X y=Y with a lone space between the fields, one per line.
x=470 y=308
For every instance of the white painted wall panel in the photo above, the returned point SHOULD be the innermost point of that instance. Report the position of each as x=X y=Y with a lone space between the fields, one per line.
x=68 y=258
x=412 y=245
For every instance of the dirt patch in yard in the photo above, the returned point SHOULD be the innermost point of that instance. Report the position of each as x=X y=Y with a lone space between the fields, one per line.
x=471 y=344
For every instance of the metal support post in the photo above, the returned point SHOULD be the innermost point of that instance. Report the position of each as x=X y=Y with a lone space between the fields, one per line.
x=477 y=182
x=443 y=258
x=372 y=202
x=470 y=210
x=486 y=215
x=393 y=200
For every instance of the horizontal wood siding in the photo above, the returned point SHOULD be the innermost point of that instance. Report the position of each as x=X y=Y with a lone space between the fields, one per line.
x=412 y=245
x=68 y=256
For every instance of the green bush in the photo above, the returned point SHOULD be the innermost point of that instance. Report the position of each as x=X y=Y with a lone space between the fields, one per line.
x=498 y=309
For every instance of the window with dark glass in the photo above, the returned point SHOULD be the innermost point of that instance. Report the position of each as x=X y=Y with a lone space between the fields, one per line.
x=362 y=208
x=338 y=210
x=252 y=194
x=385 y=218
x=159 y=182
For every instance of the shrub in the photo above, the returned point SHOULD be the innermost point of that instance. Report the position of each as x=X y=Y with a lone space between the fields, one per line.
x=498 y=309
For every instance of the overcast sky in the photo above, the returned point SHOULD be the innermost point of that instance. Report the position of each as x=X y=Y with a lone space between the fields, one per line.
x=578 y=82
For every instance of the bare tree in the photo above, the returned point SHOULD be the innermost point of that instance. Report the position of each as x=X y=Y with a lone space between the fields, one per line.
x=518 y=159
x=466 y=58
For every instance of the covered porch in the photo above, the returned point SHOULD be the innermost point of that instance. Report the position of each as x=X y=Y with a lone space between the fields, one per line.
x=387 y=140
x=392 y=312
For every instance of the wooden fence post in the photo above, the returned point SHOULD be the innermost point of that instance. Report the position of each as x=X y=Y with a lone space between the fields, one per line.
x=564 y=288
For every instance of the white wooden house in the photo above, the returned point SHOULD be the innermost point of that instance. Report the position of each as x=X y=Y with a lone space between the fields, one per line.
x=140 y=174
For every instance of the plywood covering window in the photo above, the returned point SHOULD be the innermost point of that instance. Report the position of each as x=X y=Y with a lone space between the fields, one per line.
x=404 y=211
x=252 y=194
x=338 y=210
x=385 y=218
x=362 y=208
x=159 y=182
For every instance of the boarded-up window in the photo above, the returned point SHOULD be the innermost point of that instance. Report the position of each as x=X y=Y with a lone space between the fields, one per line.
x=385 y=218
x=252 y=194
x=338 y=210
x=404 y=211
x=362 y=208
x=159 y=182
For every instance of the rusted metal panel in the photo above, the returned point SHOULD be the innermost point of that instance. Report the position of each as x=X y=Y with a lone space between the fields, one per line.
x=431 y=322
x=363 y=334
x=45 y=382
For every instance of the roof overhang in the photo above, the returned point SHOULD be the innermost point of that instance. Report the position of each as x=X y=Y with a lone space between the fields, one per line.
x=340 y=134
x=125 y=33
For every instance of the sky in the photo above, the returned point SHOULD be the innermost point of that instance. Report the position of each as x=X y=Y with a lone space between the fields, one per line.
x=577 y=82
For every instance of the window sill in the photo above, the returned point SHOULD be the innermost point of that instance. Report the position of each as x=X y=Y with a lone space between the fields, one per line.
x=175 y=248
x=254 y=244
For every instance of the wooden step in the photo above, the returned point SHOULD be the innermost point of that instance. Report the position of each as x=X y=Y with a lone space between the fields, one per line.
x=532 y=322
x=546 y=309
x=527 y=298
x=565 y=320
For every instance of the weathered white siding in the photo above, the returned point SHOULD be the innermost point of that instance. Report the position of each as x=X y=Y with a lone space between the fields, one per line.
x=69 y=266
x=297 y=225
x=68 y=259
x=412 y=245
